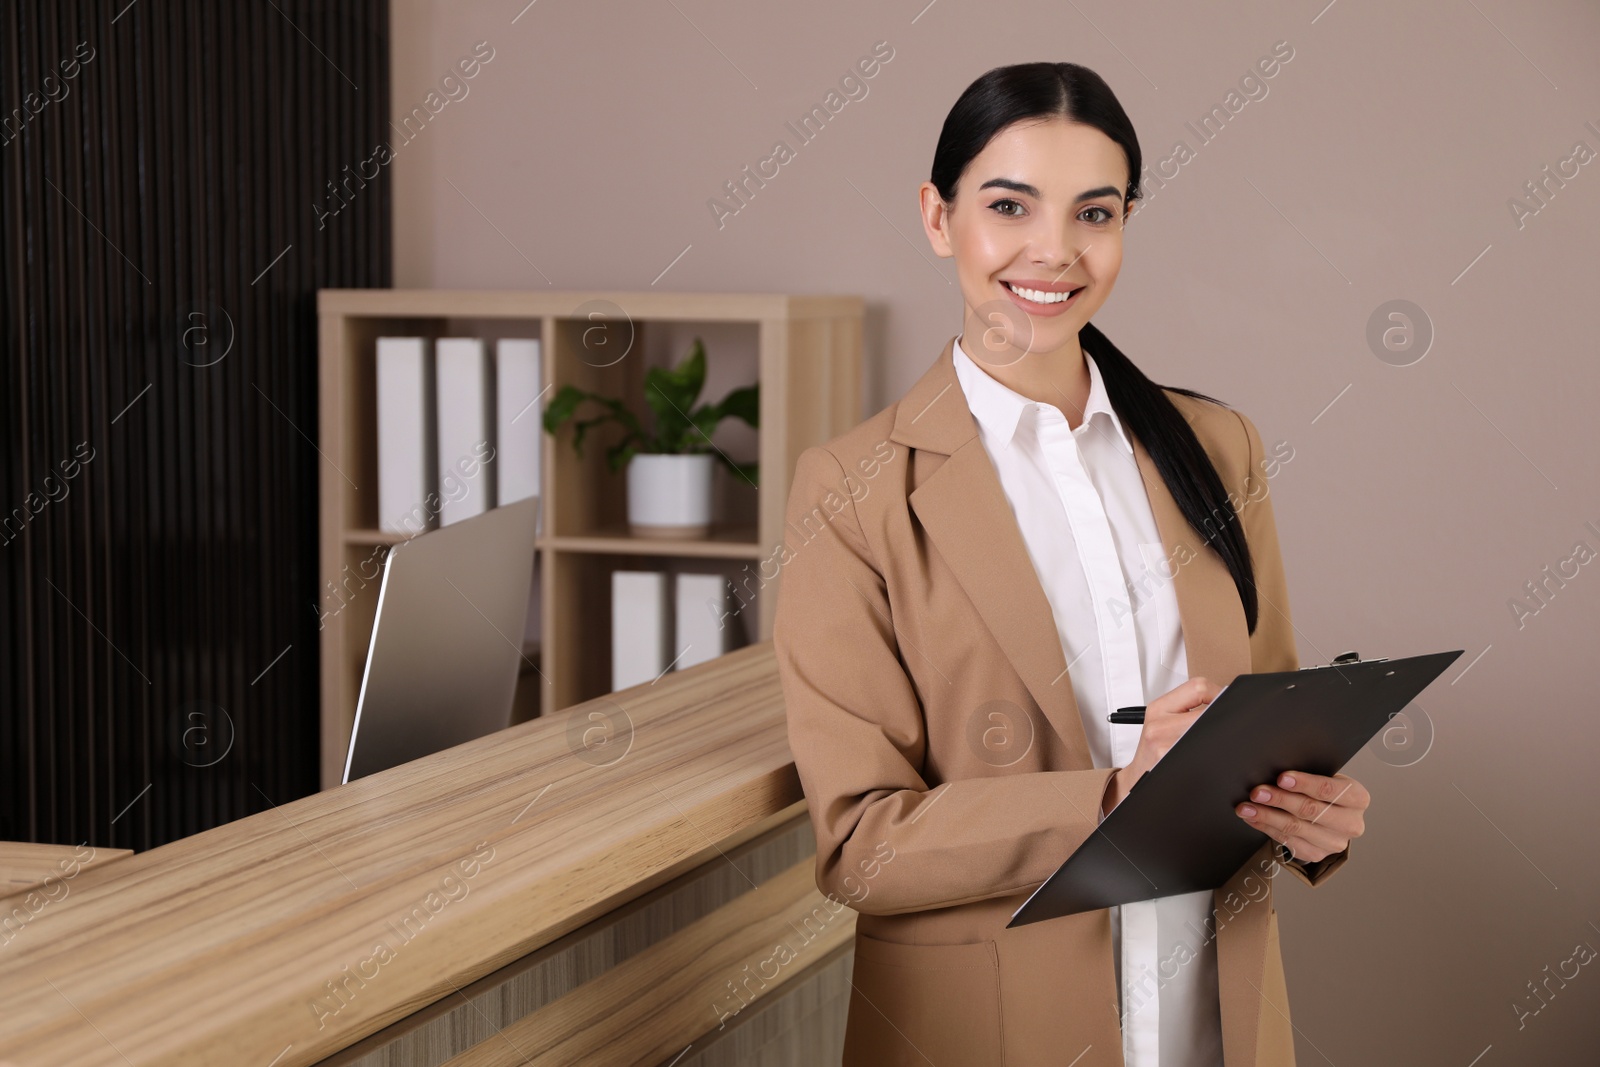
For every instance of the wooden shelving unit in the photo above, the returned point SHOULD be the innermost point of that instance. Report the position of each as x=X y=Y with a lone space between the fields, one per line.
x=804 y=350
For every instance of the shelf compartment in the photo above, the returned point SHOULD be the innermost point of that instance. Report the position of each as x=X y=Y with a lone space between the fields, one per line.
x=804 y=350
x=578 y=584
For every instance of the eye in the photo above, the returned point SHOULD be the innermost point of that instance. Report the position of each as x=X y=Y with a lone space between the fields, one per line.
x=1108 y=215
x=998 y=204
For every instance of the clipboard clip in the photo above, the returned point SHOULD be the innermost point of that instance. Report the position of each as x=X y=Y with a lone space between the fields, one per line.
x=1348 y=659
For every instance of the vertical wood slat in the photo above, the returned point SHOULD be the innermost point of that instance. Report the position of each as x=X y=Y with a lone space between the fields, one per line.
x=179 y=562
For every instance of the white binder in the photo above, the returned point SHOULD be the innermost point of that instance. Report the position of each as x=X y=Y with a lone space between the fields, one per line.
x=466 y=429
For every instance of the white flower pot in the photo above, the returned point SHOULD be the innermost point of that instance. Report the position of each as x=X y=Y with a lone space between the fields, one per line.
x=670 y=495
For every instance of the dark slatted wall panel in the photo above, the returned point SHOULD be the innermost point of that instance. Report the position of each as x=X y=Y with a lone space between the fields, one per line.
x=164 y=170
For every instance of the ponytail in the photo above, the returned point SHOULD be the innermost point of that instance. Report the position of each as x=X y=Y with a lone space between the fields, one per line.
x=1179 y=457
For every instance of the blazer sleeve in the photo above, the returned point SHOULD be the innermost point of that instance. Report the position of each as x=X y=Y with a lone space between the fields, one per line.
x=1272 y=646
x=858 y=736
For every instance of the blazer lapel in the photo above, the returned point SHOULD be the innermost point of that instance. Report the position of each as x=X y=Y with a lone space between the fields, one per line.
x=964 y=509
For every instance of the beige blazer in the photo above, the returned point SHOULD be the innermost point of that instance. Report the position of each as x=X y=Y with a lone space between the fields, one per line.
x=939 y=745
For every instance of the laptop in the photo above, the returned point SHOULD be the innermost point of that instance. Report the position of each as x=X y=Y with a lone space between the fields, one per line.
x=447 y=642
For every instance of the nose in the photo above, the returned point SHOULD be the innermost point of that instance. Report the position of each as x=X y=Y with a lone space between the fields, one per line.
x=1052 y=250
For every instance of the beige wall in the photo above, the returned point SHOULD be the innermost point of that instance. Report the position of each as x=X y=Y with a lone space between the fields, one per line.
x=1379 y=166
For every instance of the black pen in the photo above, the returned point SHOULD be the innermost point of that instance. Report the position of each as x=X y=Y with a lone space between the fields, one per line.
x=1130 y=716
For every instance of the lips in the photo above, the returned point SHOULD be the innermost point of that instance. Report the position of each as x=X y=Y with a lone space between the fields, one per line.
x=1044 y=299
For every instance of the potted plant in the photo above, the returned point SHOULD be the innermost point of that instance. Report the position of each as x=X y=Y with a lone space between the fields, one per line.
x=670 y=466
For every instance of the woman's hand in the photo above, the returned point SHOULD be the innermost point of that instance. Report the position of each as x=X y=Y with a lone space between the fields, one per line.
x=1311 y=815
x=1165 y=720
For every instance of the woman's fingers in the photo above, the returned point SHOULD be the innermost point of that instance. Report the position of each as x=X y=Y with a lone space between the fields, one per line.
x=1166 y=719
x=1336 y=815
x=1196 y=692
x=1307 y=840
x=1340 y=789
x=1313 y=815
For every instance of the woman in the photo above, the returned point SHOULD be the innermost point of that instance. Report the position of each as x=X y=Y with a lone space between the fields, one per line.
x=1034 y=536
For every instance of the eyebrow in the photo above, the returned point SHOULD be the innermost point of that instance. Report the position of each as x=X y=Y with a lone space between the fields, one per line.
x=1024 y=187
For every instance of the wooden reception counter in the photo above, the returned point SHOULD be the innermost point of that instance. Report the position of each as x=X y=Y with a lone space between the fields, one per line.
x=596 y=886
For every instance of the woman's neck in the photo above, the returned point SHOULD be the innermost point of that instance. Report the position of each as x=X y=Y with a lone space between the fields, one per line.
x=1059 y=378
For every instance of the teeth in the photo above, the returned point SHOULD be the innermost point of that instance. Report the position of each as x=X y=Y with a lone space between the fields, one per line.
x=1039 y=297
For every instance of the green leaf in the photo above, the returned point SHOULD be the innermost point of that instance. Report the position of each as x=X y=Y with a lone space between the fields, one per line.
x=743 y=403
x=561 y=407
x=618 y=455
x=662 y=394
x=704 y=419
x=581 y=427
x=672 y=392
x=622 y=414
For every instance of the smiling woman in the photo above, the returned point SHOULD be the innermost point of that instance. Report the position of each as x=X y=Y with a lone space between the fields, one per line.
x=978 y=601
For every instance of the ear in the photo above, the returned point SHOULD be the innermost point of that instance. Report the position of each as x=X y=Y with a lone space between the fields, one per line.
x=935 y=219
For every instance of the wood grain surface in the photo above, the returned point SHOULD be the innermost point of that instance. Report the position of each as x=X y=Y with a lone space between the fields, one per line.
x=25 y=865
x=656 y=1005
x=287 y=935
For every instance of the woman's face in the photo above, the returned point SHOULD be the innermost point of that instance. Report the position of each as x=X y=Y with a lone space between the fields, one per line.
x=1040 y=208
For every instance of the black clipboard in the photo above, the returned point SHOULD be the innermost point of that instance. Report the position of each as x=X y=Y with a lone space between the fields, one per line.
x=1176 y=831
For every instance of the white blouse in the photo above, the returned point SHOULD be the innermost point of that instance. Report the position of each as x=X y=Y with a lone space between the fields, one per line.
x=1081 y=505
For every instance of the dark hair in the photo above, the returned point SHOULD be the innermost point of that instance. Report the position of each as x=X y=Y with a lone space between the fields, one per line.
x=1066 y=90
